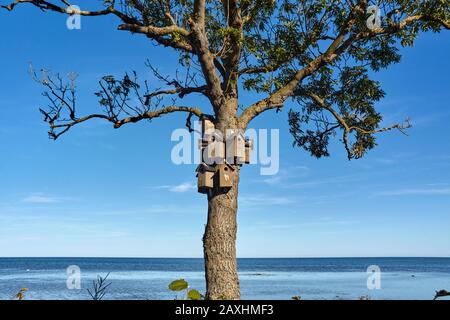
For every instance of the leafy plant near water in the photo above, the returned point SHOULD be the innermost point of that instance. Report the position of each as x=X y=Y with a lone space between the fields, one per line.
x=99 y=287
x=21 y=294
x=182 y=285
x=441 y=293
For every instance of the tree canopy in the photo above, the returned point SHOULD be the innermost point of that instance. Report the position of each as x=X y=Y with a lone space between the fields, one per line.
x=314 y=56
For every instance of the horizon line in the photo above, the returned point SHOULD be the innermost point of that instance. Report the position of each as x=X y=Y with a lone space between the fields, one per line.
x=286 y=257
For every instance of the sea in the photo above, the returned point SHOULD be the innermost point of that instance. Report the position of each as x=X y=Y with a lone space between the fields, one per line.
x=269 y=278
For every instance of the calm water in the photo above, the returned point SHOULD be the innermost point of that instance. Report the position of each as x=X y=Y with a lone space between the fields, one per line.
x=314 y=278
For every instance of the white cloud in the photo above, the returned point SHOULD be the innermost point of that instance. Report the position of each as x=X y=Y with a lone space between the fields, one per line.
x=185 y=208
x=316 y=224
x=41 y=198
x=386 y=161
x=325 y=181
x=183 y=187
x=180 y=188
x=264 y=200
x=439 y=184
x=421 y=191
x=286 y=174
x=161 y=187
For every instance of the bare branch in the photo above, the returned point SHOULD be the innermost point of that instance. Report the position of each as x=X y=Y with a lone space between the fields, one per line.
x=200 y=12
x=156 y=114
x=154 y=32
x=116 y=98
x=129 y=23
x=46 y=5
x=232 y=43
x=205 y=57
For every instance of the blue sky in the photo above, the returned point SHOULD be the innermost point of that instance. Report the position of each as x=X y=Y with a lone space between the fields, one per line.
x=104 y=192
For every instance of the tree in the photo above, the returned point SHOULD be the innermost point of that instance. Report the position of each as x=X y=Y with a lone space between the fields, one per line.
x=314 y=55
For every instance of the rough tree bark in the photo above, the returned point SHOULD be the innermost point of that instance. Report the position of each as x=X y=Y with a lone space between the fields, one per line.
x=219 y=240
x=219 y=244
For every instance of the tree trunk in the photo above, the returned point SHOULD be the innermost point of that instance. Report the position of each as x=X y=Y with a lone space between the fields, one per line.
x=219 y=244
x=219 y=240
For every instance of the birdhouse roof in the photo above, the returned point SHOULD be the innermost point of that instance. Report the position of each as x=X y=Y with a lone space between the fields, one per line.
x=228 y=165
x=203 y=167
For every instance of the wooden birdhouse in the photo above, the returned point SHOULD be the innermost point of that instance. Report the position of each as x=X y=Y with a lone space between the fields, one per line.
x=235 y=146
x=205 y=178
x=225 y=176
x=208 y=129
x=202 y=144
x=215 y=152
x=248 y=150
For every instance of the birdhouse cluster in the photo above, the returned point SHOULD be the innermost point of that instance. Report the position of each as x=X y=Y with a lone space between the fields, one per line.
x=219 y=155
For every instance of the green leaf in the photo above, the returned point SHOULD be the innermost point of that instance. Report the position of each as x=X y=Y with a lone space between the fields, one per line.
x=194 y=295
x=178 y=285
